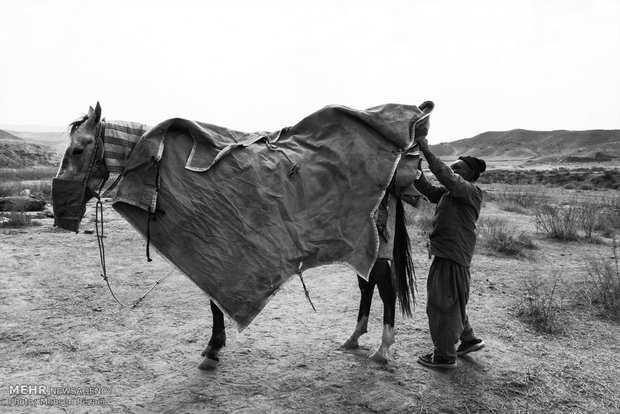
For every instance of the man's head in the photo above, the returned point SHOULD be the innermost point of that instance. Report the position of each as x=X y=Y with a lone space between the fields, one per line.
x=469 y=168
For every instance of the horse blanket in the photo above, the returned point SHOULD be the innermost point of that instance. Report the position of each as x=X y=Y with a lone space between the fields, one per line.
x=241 y=213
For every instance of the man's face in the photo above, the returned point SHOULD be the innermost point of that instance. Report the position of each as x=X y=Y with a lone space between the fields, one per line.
x=461 y=169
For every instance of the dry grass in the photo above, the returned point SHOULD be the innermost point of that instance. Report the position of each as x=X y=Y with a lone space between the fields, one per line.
x=27 y=174
x=41 y=190
x=523 y=196
x=603 y=289
x=37 y=180
x=16 y=220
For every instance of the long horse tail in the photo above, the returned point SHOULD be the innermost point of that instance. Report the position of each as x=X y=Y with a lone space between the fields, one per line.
x=404 y=278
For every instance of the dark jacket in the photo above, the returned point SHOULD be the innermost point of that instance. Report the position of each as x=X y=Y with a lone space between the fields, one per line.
x=458 y=206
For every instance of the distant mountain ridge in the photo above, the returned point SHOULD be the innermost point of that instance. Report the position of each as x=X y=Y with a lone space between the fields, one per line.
x=539 y=145
x=20 y=149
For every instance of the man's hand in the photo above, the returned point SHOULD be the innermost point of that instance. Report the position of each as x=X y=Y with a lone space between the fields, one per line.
x=422 y=144
x=422 y=127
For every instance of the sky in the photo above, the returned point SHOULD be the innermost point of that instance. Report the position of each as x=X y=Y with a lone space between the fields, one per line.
x=489 y=65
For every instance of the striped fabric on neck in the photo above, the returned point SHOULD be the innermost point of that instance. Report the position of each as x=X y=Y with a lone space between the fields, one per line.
x=119 y=139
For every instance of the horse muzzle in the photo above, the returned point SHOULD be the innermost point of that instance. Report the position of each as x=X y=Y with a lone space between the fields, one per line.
x=69 y=199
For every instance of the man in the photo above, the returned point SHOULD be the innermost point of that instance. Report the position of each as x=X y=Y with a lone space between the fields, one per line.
x=452 y=242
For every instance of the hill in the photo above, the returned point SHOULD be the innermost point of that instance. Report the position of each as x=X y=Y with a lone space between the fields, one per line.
x=55 y=139
x=16 y=152
x=6 y=135
x=549 y=146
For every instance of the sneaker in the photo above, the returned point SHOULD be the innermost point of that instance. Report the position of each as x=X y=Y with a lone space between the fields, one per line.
x=469 y=346
x=436 y=361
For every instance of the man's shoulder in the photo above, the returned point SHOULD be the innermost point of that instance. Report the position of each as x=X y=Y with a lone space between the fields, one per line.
x=471 y=185
x=467 y=191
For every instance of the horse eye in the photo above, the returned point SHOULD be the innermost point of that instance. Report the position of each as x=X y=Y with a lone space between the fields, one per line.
x=78 y=151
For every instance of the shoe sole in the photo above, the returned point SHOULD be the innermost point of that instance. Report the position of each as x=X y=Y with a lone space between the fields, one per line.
x=432 y=365
x=472 y=348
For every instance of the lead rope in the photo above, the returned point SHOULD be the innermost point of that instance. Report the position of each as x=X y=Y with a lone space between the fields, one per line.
x=104 y=274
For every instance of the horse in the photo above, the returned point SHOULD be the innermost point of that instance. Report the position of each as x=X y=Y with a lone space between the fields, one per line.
x=98 y=148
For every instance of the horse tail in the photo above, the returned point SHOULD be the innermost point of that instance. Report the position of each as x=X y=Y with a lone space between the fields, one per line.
x=404 y=278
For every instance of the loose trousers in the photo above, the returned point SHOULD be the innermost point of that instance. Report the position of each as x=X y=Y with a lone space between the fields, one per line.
x=447 y=291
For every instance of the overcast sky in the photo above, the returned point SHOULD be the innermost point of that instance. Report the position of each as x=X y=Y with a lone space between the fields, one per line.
x=489 y=65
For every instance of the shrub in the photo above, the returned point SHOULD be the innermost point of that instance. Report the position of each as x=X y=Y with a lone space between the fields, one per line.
x=423 y=216
x=609 y=217
x=589 y=214
x=559 y=222
x=8 y=189
x=604 y=278
x=15 y=219
x=526 y=196
x=37 y=180
x=512 y=207
x=497 y=236
x=41 y=190
x=580 y=218
x=541 y=307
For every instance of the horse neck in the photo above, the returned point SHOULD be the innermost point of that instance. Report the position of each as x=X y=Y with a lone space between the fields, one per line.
x=119 y=140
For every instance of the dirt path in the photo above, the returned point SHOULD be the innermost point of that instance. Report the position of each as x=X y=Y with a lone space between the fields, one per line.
x=61 y=328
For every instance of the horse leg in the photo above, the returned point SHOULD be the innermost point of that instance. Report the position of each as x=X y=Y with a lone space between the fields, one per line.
x=383 y=275
x=366 y=289
x=217 y=341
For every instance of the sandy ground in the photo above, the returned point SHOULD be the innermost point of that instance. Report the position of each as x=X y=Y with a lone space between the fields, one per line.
x=65 y=339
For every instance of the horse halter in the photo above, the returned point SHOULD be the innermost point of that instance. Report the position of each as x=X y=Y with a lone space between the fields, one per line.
x=69 y=197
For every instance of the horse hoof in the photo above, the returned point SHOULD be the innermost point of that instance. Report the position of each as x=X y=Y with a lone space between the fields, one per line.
x=377 y=357
x=350 y=344
x=206 y=351
x=208 y=364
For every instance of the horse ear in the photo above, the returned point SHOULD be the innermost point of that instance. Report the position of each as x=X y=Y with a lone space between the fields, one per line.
x=97 y=113
x=94 y=115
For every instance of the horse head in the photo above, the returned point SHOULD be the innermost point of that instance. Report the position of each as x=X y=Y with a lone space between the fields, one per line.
x=82 y=171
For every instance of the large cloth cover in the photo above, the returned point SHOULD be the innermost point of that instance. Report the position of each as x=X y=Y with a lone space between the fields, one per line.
x=241 y=213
